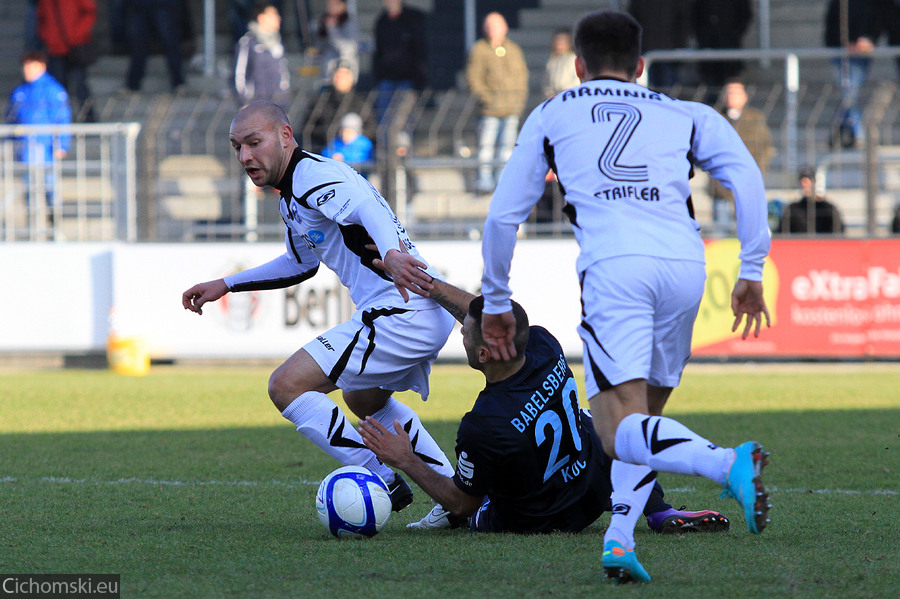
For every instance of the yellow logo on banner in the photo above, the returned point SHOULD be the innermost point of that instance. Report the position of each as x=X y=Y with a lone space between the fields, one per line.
x=715 y=319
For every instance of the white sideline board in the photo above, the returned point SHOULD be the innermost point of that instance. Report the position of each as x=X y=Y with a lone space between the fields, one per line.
x=58 y=297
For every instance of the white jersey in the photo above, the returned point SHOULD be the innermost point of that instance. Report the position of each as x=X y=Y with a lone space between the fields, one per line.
x=623 y=155
x=331 y=213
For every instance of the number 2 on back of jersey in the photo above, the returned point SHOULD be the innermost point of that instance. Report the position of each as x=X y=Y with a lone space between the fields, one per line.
x=629 y=118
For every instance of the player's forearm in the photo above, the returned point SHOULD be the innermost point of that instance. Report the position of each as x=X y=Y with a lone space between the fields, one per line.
x=439 y=487
x=452 y=299
x=276 y=274
x=381 y=226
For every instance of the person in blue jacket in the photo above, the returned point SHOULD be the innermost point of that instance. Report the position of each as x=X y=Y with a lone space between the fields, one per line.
x=350 y=145
x=39 y=100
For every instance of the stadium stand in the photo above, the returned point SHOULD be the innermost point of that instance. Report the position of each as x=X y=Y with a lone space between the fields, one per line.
x=438 y=164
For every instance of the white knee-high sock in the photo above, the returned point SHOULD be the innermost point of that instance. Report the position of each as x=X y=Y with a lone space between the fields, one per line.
x=423 y=443
x=631 y=487
x=666 y=445
x=321 y=421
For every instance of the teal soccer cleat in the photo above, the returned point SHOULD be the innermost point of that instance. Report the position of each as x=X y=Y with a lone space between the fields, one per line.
x=621 y=564
x=744 y=484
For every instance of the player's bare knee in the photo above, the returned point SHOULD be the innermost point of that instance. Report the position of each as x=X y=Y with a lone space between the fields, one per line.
x=280 y=390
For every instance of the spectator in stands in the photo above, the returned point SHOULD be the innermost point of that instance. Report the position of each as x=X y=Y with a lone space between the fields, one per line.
x=895 y=222
x=864 y=23
x=720 y=25
x=66 y=29
x=498 y=76
x=338 y=35
x=892 y=25
x=40 y=100
x=260 y=66
x=165 y=18
x=350 y=145
x=812 y=213
x=32 y=39
x=336 y=100
x=667 y=26
x=559 y=72
x=751 y=125
x=400 y=59
x=240 y=15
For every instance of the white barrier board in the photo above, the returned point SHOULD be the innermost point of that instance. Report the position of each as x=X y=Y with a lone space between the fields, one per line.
x=58 y=297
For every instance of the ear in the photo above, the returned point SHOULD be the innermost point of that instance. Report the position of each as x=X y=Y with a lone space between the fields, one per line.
x=640 y=68
x=484 y=354
x=579 y=68
x=287 y=135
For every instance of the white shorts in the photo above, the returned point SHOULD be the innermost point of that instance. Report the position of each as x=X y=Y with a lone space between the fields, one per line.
x=637 y=319
x=386 y=348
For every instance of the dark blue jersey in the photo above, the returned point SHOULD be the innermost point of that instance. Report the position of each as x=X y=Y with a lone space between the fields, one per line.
x=526 y=445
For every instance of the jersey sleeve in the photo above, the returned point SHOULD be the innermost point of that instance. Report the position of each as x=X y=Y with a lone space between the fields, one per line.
x=520 y=187
x=718 y=149
x=294 y=266
x=343 y=196
x=476 y=460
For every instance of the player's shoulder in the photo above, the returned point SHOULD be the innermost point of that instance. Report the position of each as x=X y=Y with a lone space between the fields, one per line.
x=539 y=335
x=314 y=171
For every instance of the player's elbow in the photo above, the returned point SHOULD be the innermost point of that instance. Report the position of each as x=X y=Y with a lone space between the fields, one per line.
x=463 y=505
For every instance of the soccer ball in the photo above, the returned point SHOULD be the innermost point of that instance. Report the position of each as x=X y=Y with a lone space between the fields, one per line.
x=353 y=502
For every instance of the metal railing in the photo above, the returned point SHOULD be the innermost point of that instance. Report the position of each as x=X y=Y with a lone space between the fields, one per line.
x=179 y=181
x=88 y=195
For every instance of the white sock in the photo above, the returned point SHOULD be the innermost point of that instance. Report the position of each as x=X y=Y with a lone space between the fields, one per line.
x=666 y=445
x=631 y=487
x=321 y=421
x=423 y=443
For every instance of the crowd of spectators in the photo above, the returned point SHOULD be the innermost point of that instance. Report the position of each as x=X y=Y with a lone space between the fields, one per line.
x=495 y=75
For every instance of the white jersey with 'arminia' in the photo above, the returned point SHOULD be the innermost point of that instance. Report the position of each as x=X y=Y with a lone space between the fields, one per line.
x=623 y=156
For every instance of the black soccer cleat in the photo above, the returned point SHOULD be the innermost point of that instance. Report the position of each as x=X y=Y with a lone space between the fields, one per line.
x=401 y=494
x=673 y=522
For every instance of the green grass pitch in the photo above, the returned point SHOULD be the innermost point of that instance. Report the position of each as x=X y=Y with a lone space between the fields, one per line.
x=188 y=483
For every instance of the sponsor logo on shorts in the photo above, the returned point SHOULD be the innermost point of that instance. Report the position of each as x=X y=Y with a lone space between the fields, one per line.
x=324 y=342
x=316 y=237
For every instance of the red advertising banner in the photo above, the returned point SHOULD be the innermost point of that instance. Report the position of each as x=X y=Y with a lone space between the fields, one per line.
x=827 y=298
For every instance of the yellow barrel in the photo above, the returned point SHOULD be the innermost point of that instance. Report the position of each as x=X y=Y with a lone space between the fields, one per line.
x=128 y=355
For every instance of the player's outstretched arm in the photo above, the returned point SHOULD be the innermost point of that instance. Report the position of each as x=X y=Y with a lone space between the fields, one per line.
x=498 y=331
x=194 y=298
x=451 y=298
x=747 y=300
x=396 y=450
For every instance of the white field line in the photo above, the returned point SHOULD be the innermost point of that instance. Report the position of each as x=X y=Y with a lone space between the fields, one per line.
x=64 y=480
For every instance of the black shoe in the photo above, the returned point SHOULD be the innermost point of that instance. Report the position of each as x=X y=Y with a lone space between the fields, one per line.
x=401 y=494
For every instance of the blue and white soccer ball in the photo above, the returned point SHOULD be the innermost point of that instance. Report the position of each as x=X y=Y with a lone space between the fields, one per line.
x=353 y=502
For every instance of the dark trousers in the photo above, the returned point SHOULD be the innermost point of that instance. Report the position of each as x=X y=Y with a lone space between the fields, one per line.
x=72 y=76
x=163 y=17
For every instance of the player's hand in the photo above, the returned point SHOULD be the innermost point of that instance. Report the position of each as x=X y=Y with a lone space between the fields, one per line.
x=194 y=298
x=498 y=331
x=407 y=272
x=392 y=449
x=747 y=300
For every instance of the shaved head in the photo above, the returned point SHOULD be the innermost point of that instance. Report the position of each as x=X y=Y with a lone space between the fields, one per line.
x=264 y=109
